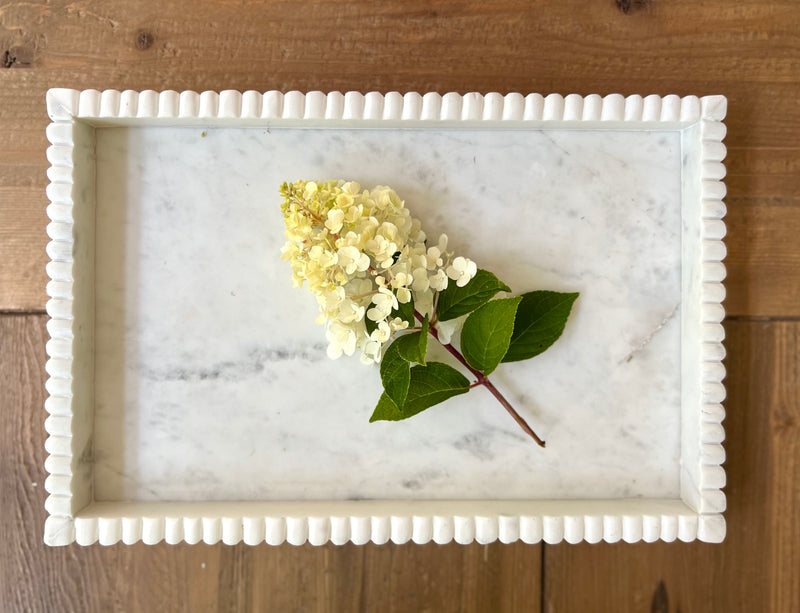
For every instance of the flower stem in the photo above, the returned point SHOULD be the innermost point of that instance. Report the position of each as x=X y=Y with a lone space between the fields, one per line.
x=517 y=417
x=314 y=216
x=484 y=380
x=364 y=295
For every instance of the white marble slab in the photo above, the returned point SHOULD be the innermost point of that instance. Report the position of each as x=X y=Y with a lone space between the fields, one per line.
x=211 y=377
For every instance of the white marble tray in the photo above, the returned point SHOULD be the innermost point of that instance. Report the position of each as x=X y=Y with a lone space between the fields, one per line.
x=190 y=395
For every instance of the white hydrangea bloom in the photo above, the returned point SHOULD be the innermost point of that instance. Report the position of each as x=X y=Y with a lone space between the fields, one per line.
x=446 y=329
x=341 y=339
x=371 y=352
x=335 y=220
x=438 y=280
x=423 y=303
x=403 y=295
x=398 y=324
x=433 y=258
x=421 y=282
x=322 y=256
x=351 y=187
x=385 y=299
x=362 y=255
x=462 y=270
x=385 y=302
x=352 y=260
x=382 y=333
x=359 y=286
x=350 y=311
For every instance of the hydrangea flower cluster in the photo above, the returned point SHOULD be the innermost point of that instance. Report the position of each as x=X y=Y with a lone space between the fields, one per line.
x=363 y=256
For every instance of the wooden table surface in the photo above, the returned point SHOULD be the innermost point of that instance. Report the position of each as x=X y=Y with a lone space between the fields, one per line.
x=748 y=50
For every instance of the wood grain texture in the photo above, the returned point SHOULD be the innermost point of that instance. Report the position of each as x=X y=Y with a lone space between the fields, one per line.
x=22 y=242
x=756 y=568
x=44 y=579
x=197 y=578
x=748 y=50
x=763 y=259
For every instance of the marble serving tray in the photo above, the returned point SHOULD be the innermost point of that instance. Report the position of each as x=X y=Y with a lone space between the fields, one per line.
x=190 y=394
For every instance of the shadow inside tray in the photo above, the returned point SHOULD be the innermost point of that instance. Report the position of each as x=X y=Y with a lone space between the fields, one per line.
x=117 y=271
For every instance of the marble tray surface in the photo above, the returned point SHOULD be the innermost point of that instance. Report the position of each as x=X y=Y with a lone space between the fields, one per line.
x=198 y=376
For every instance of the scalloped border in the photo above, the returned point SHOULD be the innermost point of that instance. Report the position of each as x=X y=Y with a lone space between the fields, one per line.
x=712 y=476
x=64 y=525
x=276 y=523
x=67 y=104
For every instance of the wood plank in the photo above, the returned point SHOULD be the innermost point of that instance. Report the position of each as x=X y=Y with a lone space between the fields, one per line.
x=756 y=568
x=385 y=35
x=215 y=578
x=763 y=174
x=784 y=477
x=746 y=50
x=763 y=259
x=22 y=248
x=37 y=578
x=399 y=578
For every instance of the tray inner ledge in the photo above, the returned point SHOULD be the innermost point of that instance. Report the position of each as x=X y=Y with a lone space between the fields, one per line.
x=208 y=378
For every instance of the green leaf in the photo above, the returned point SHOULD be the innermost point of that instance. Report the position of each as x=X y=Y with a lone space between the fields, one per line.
x=386 y=410
x=430 y=385
x=487 y=333
x=541 y=318
x=395 y=367
x=413 y=346
x=455 y=301
x=395 y=373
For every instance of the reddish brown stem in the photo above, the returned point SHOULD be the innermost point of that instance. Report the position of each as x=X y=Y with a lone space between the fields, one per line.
x=517 y=417
x=484 y=380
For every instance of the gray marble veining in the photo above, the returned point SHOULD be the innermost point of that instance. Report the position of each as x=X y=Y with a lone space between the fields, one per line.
x=212 y=381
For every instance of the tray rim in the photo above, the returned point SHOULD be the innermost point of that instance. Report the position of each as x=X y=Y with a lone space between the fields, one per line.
x=74 y=516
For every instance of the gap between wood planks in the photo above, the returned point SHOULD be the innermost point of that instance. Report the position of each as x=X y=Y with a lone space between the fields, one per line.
x=20 y=312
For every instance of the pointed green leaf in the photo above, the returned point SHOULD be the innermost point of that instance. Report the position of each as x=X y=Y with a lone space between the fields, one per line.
x=541 y=318
x=487 y=333
x=432 y=384
x=456 y=301
x=395 y=367
x=386 y=410
x=423 y=340
x=395 y=373
x=413 y=346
